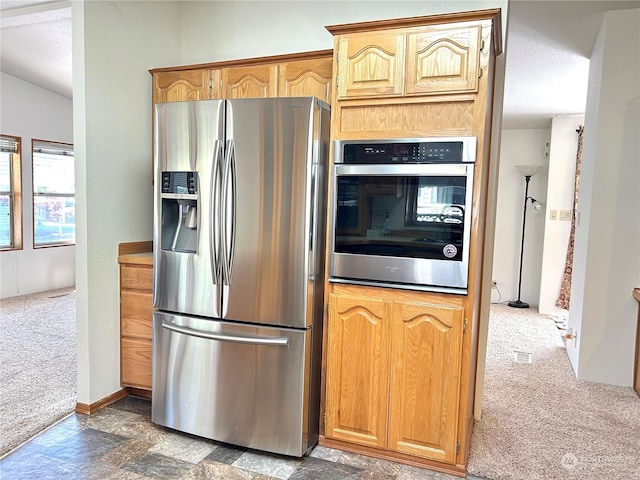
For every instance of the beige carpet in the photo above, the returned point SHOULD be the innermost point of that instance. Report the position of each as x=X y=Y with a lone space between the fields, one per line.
x=538 y=422
x=37 y=364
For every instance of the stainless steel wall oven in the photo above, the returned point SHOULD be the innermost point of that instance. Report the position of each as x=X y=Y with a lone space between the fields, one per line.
x=401 y=212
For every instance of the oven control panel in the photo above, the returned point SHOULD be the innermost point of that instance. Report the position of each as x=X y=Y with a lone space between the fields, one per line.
x=396 y=151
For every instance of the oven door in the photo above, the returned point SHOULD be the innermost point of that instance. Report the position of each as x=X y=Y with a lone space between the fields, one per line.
x=402 y=225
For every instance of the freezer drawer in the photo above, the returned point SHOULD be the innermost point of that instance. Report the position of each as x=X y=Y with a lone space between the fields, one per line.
x=234 y=383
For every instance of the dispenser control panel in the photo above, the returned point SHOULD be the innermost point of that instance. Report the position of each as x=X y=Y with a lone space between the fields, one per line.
x=180 y=183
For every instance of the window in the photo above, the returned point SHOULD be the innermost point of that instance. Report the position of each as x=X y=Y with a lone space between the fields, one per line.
x=10 y=193
x=54 y=203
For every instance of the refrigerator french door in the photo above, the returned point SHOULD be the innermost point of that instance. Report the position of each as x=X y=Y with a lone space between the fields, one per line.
x=239 y=235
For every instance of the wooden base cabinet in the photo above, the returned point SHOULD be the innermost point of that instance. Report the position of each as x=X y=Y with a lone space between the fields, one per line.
x=393 y=372
x=358 y=370
x=136 y=314
x=426 y=351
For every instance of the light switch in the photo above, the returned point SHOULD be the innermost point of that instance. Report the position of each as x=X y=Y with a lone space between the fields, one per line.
x=553 y=214
x=565 y=215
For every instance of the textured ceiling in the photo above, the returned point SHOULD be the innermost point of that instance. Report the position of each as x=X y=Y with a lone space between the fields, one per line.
x=548 y=45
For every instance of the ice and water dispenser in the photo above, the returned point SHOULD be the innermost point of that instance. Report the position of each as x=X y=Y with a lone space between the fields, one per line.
x=179 y=212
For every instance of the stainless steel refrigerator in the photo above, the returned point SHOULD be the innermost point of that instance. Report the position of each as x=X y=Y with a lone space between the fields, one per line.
x=239 y=242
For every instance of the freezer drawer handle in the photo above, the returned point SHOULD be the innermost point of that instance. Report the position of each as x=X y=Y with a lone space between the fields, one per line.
x=273 y=341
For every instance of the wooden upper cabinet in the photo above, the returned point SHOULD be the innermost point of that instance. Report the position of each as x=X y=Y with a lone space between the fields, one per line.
x=181 y=85
x=358 y=370
x=254 y=81
x=425 y=379
x=370 y=65
x=306 y=78
x=443 y=60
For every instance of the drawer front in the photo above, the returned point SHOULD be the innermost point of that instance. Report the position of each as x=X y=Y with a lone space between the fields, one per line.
x=136 y=277
x=135 y=365
x=136 y=314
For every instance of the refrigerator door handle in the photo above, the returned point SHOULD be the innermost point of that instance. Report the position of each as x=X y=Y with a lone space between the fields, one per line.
x=214 y=239
x=192 y=332
x=229 y=188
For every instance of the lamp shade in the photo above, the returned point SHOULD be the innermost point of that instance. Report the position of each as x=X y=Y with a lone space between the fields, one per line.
x=528 y=170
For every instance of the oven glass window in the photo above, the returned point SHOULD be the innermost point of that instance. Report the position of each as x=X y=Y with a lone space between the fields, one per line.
x=401 y=216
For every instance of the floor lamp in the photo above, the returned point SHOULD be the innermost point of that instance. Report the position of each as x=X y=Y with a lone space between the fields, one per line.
x=528 y=171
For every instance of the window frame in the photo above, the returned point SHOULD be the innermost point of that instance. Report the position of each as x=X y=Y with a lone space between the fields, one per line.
x=34 y=194
x=15 y=196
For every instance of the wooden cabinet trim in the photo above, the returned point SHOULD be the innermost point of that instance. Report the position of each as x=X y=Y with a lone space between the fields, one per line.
x=289 y=57
x=128 y=248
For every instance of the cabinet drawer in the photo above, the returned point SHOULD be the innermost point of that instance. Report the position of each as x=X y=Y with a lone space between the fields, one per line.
x=137 y=277
x=136 y=314
x=135 y=365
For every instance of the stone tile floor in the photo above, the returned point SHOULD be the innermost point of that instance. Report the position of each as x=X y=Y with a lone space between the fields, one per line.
x=120 y=442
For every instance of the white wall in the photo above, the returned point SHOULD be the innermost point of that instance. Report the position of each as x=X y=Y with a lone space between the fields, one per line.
x=31 y=112
x=560 y=187
x=214 y=31
x=115 y=43
x=607 y=247
x=519 y=147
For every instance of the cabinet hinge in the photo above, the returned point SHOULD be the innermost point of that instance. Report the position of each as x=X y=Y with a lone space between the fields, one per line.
x=464 y=325
x=210 y=84
x=481 y=72
x=337 y=81
x=482 y=44
x=458 y=446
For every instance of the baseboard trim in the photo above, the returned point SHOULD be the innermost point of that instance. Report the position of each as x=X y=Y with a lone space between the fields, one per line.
x=138 y=392
x=457 y=470
x=95 y=406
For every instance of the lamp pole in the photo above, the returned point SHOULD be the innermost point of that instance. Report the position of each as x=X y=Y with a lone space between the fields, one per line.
x=518 y=303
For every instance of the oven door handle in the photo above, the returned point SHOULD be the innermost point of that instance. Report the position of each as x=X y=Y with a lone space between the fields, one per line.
x=415 y=169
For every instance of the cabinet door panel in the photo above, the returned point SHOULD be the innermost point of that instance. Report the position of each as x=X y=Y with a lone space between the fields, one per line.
x=135 y=368
x=370 y=66
x=443 y=60
x=306 y=78
x=256 y=81
x=138 y=277
x=425 y=380
x=182 y=85
x=357 y=370
x=136 y=314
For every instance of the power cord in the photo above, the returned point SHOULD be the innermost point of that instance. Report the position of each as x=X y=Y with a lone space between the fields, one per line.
x=495 y=285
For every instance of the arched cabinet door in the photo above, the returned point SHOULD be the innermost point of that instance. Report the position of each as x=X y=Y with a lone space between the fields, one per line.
x=370 y=65
x=181 y=85
x=357 y=370
x=254 y=81
x=443 y=60
x=425 y=379
x=306 y=78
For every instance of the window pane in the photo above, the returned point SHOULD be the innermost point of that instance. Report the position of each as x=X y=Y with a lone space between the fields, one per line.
x=5 y=172
x=5 y=221
x=54 y=219
x=53 y=173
